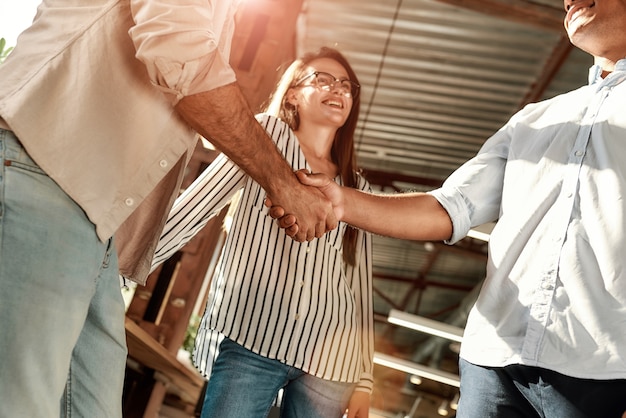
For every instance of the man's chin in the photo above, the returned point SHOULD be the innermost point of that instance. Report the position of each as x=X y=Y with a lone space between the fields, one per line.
x=578 y=35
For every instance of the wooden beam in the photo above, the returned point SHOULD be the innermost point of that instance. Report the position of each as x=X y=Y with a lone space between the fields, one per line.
x=558 y=57
x=519 y=11
x=149 y=352
x=263 y=44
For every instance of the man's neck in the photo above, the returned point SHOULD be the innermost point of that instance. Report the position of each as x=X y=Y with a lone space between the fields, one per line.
x=607 y=64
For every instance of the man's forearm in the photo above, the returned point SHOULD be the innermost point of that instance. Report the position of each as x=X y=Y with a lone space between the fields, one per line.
x=413 y=216
x=224 y=118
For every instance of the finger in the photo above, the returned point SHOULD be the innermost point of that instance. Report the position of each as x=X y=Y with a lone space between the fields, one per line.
x=287 y=221
x=292 y=231
x=302 y=171
x=310 y=235
x=299 y=236
x=331 y=222
x=309 y=179
x=320 y=229
x=304 y=177
x=277 y=212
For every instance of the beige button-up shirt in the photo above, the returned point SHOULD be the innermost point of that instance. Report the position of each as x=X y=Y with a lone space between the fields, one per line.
x=89 y=90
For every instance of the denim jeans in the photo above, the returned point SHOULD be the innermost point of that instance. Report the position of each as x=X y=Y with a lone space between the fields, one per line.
x=62 y=339
x=519 y=391
x=245 y=384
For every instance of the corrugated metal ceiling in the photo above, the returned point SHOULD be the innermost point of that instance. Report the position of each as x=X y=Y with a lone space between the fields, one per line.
x=437 y=80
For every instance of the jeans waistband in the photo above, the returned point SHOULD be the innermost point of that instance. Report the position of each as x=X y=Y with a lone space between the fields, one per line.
x=3 y=124
x=10 y=147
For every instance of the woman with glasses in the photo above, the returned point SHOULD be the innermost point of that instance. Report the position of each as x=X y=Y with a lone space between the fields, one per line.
x=281 y=314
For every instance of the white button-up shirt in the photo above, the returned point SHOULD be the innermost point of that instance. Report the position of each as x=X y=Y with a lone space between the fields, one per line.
x=555 y=178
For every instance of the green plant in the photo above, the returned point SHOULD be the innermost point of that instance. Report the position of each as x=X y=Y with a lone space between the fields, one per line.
x=4 y=50
x=190 y=335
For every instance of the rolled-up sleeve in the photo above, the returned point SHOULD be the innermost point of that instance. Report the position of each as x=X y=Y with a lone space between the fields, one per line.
x=184 y=44
x=472 y=194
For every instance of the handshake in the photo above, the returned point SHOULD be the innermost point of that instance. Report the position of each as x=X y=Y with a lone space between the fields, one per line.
x=416 y=216
x=317 y=211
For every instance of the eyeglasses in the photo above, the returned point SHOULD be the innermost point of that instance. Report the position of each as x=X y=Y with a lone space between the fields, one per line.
x=328 y=82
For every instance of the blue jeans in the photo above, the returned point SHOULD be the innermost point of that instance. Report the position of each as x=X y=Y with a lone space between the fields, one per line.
x=519 y=391
x=245 y=384
x=62 y=339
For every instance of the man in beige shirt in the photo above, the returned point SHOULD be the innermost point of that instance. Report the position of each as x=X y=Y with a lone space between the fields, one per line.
x=100 y=105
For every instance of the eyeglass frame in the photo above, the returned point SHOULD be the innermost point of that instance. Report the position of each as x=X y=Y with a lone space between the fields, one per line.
x=355 y=88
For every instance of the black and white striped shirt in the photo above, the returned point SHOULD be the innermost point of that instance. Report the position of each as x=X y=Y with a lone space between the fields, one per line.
x=295 y=302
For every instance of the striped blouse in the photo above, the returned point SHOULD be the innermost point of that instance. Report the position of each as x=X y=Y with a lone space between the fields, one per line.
x=298 y=303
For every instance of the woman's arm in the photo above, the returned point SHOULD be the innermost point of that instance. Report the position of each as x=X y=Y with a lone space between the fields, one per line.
x=201 y=201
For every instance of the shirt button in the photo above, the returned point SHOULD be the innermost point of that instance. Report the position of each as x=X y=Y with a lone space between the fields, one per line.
x=578 y=153
x=301 y=283
x=297 y=316
x=129 y=201
x=163 y=163
x=308 y=249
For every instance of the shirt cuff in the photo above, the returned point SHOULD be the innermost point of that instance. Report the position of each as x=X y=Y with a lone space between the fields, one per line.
x=457 y=210
x=366 y=384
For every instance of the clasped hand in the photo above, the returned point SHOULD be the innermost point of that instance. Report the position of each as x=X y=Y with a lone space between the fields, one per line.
x=289 y=222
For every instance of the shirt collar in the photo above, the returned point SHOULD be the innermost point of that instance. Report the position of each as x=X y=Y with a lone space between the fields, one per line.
x=595 y=72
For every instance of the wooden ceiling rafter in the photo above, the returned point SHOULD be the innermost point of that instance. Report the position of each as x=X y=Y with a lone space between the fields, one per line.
x=557 y=59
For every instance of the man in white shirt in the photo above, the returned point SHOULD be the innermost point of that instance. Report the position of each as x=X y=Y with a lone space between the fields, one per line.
x=100 y=105
x=547 y=335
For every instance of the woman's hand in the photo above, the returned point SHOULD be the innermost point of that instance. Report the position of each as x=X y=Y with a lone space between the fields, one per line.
x=359 y=405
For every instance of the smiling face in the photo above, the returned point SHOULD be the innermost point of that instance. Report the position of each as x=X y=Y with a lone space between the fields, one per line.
x=597 y=27
x=318 y=105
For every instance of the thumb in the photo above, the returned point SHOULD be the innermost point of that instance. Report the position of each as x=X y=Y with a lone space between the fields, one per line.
x=310 y=179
